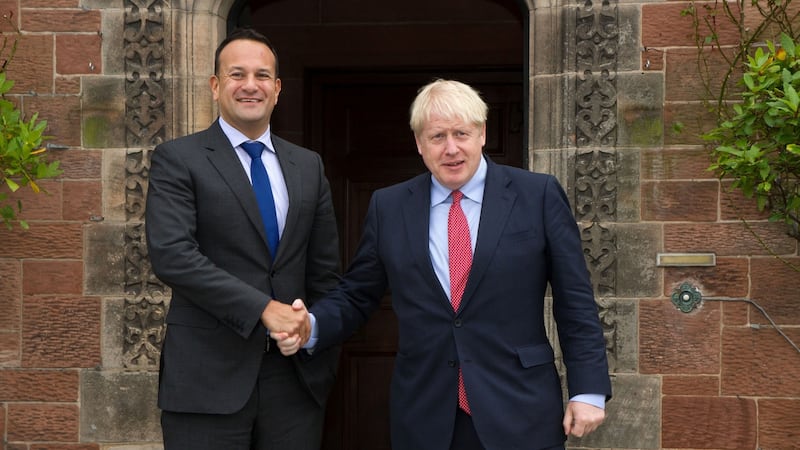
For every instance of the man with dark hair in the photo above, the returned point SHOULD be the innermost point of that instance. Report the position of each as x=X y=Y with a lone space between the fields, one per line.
x=237 y=218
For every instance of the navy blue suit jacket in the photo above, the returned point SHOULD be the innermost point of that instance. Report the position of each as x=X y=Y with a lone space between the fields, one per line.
x=527 y=239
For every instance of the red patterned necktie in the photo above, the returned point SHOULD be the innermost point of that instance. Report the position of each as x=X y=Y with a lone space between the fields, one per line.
x=460 y=254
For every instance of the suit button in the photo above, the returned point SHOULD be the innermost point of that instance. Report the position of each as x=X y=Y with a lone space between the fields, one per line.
x=457 y=323
x=451 y=363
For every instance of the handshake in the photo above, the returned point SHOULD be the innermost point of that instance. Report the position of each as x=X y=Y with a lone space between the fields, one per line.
x=289 y=325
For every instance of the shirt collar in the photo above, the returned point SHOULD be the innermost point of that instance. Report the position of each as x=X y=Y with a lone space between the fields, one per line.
x=236 y=137
x=472 y=190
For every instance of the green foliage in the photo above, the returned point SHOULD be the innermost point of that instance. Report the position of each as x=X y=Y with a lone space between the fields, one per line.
x=758 y=146
x=756 y=136
x=22 y=160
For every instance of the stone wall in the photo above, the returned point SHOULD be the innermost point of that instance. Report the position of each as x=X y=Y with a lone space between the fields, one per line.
x=81 y=316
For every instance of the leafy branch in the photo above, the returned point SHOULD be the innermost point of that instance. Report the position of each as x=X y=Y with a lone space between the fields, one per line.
x=22 y=161
x=756 y=140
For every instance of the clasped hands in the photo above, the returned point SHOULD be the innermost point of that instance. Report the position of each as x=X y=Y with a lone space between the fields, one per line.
x=289 y=325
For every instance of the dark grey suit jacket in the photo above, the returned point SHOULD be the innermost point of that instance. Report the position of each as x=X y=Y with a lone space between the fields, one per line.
x=206 y=241
x=527 y=241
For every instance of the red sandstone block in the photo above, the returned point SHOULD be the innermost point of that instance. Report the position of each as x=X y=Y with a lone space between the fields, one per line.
x=759 y=362
x=63 y=115
x=673 y=342
x=729 y=278
x=43 y=240
x=79 y=54
x=778 y=423
x=68 y=85
x=707 y=385
x=676 y=164
x=32 y=66
x=693 y=201
x=49 y=3
x=51 y=277
x=708 y=422
x=736 y=313
x=80 y=164
x=735 y=206
x=729 y=239
x=43 y=422
x=775 y=286
x=9 y=349
x=694 y=120
x=64 y=447
x=10 y=294
x=60 y=20
x=61 y=332
x=652 y=59
x=689 y=76
x=9 y=8
x=44 y=205
x=663 y=25
x=82 y=200
x=21 y=385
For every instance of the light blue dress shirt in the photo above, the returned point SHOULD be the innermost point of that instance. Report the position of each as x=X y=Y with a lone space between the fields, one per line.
x=270 y=159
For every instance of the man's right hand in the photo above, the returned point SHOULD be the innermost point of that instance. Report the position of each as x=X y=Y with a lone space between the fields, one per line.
x=289 y=343
x=285 y=321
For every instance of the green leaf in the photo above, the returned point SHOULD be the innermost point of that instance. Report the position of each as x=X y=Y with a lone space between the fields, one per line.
x=787 y=43
x=12 y=185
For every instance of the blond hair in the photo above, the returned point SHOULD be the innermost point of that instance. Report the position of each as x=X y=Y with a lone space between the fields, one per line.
x=449 y=99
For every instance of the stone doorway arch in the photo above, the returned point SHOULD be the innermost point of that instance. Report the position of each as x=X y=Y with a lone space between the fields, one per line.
x=573 y=54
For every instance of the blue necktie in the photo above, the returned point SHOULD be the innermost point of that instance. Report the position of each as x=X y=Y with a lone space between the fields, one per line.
x=263 y=191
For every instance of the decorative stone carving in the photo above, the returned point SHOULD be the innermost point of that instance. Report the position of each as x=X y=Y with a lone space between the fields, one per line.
x=144 y=42
x=597 y=34
x=600 y=252
x=596 y=185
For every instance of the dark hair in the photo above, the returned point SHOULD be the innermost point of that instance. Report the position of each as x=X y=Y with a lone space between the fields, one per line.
x=250 y=35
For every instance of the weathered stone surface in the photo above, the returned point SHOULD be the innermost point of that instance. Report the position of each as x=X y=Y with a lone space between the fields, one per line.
x=119 y=407
x=114 y=182
x=640 y=120
x=73 y=340
x=553 y=114
x=637 y=246
x=672 y=342
x=620 y=323
x=728 y=278
x=679 y=201
x=105 y=259
x=633 y=416
x=760 y=362
x=729 y=239
x=628 y=195
x=709 y=422
x=103 y=119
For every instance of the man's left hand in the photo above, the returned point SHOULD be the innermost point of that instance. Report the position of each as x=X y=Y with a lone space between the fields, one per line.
x=581 y=418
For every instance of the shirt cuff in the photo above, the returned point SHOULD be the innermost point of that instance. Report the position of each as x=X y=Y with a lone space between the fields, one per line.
x=598 y=400
x=312 y=340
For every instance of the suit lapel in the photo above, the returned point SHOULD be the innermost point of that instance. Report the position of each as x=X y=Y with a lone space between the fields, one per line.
x=417 y=217
x=294 y=187
x=498 y=201
x=223 y=157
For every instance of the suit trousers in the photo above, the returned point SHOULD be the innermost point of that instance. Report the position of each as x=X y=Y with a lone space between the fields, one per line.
x=280 y=414
x=466 y=438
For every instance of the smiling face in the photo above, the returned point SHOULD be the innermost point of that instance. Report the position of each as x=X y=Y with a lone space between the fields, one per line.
x=451 y=149
x=246 y=86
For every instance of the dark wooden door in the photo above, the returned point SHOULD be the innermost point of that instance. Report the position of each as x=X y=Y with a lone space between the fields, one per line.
x=359 y=123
